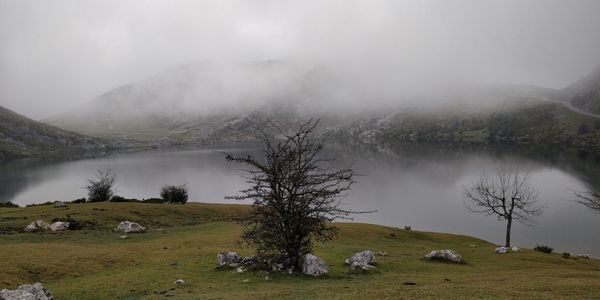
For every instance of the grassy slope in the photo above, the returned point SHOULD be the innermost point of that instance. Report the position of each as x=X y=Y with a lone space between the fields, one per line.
x=96 y=264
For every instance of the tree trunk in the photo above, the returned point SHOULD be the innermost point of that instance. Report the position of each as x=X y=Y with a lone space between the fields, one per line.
x=508 y=225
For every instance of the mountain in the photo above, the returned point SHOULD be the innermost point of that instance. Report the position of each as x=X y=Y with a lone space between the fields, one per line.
x=21 y=136
x=584 y=93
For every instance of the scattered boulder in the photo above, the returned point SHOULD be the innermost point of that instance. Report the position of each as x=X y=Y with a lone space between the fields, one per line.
x=230 y=259
x=445 y=255
x=60 y=204
x=59 y=226
x=124 y=237
x=586 y=256
x=38 y=225
x=179 y=281
x=130 y=227
x=363 y=261
x=382 y=253
x=501 y=250
x=27 y=292
x=516 y=249
x=314 y=265
x=240 y=270
x=249 y=261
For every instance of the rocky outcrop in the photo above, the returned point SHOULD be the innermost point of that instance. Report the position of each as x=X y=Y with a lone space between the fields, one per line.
x=501 y=250
x=27 y=292
x=130 y=227
x=362 y=261
x=444 y=255
x=229 y=259
x=38 y=225
x=59 y=226
x=313 y=265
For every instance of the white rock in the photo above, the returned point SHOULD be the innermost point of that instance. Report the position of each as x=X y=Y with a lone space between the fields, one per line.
x=130 y=227
x=362 y=261
x=445 y=255
x=587 y=256
x=59 y=204
x=240 y=270
x=124 y=237
x=27 y=292
x=231 y=259
x=501 y=250
x=516 y=249
x=38 y=225
x=59 y=226
x=314 y=265
x=179 y=281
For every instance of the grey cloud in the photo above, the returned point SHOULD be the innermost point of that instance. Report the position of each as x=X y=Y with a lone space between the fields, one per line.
x=55 y=55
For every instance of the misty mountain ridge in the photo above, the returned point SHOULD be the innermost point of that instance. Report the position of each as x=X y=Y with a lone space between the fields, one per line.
x=207 y=101
x=584 y=93
x=21 y=136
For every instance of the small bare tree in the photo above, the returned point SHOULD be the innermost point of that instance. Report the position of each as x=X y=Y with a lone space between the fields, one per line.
x=590 y=199
x=507 y=195
x=295 y=198
x=101 y=188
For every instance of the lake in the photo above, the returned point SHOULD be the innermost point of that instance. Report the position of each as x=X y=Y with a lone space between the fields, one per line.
x=416 y=185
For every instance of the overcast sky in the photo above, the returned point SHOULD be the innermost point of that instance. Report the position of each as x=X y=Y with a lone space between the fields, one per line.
x=57 y=54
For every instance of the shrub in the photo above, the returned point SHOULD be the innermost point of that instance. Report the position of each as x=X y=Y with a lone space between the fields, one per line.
x=80 y=200
x=122 y=199
x=566 y=255
x=8 y=205
x=543 y=248
x=174 y=194
x=584 y=128
x=407 y=228
x=153 y=200
x=101 y=188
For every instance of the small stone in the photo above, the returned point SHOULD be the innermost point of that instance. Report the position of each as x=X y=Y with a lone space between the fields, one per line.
x=59 y=226
x=130 y=227
x=246 y=280
x=267 y=278
x=38 y=225
x=583 y=255
x=515 y=249
x=472 y=245
x=124 y=237
x=501 y=250
x=382 y=253
x=444 y=255
x=240 y=270
x=313 y=265
x=179 y=281
x=27 y=292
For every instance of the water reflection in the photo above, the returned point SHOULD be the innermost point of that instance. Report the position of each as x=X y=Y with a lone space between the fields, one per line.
x=414 y=185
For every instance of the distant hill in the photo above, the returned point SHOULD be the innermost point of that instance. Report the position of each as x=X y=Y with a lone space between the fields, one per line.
x=584 y=93
x=21 y=136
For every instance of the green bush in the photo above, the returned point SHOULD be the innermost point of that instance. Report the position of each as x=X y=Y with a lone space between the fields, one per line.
x=566 y=255
x=8 y=204
x=80 y=200
x=121 y=199
x=542 y=248
x=174 y=194
x=101 y=188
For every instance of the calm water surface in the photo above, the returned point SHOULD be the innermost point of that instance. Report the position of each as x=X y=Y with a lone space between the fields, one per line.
x=420 y=186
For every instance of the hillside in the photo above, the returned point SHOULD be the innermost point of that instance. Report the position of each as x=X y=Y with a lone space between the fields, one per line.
x=584 y=93
x=183 y=240
x=21 y=136
x=205 y=103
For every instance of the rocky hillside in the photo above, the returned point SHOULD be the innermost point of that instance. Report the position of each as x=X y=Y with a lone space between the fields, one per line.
x=21 y=136
x=584 y=93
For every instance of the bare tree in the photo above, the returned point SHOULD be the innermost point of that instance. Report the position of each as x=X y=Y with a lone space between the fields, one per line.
x=295 y=197
x=590 y=199
x=507 y=195
x=101 y=188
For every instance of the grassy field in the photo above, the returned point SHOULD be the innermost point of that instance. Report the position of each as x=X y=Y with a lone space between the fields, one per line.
x=182 y=242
